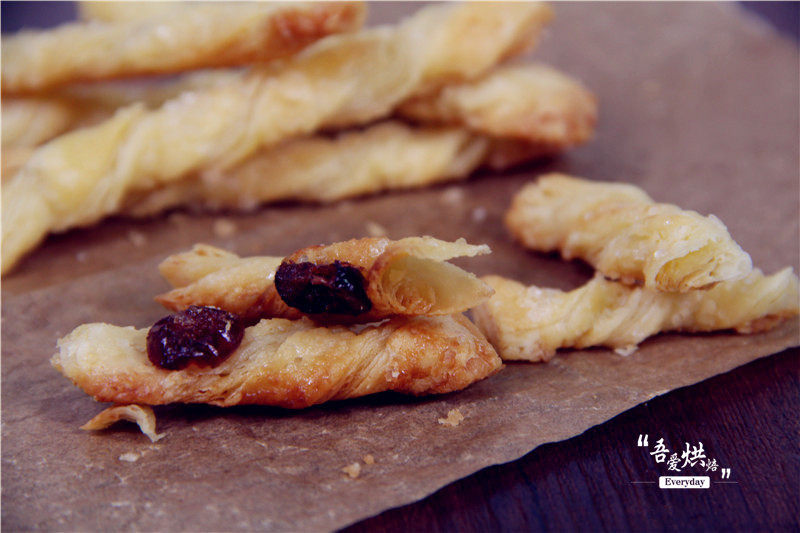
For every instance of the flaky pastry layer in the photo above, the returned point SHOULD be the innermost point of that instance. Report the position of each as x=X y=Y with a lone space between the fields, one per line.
x=28 y=122
x=532 y=102
x=406 y=277
x=183 y=38
x=141 y=415
x=82 y=176
x=286 y=363
x=531 y=323
x=624 y=234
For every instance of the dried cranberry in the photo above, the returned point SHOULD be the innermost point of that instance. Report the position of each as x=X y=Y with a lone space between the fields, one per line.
x=205 y=336
x=336 y=288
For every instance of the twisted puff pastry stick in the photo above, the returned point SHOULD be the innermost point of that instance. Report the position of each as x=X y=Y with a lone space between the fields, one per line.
x=387 y=156
x=531 y=323
x=535 y=103
x=547 y=112
x=619 y=230
x=287 y=363
x=198 y=36
x=405 y=277
x=84 y=175
x=532 y=102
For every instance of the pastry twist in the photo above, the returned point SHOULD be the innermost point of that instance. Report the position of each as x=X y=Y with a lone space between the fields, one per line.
x=197 y=36
x=620 y=231
x=387 y=156
x=531 y=323
x=286 y=363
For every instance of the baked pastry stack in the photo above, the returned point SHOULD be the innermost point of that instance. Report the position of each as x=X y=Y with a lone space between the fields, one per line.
x=325 y=323
x=316 y=108
x=660 y=268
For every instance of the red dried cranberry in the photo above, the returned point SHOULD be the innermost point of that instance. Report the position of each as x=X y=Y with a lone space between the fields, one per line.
x=205 y=336
x=336 y=288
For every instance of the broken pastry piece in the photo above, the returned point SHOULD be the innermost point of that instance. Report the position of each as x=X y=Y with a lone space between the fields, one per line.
x=186 y=37
x=279 y=362
x=625 y=235
x=360 y=280
x=531 y=323
x=141 y=415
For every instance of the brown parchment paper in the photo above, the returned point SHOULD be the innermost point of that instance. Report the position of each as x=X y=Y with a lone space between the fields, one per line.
x=699 y=105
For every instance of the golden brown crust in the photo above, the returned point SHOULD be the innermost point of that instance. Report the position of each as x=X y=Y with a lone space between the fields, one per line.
x=341 y=80
x=141 y=415
x=286 y=363
x=197 y=36
x=406 y=277
x=624 y=234
x=531 y=323
x=533 y=103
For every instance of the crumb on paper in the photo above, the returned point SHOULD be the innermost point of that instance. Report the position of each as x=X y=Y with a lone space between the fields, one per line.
x=479 y=214
x=454 y=418
x=177 y=218
x=137 y=238
x=353 y=470
x=651 y=87
x=142 y=415
x=129 y=457
x=375 y=230
x=453 y=195
x=224 y=227
x=369 y=459
x=625 y=351
x=344 y=206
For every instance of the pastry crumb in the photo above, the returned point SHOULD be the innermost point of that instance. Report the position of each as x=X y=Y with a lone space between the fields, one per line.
x=625 y=351
x=454 y=418
x=453 y=195
x=353 y=470
x=369 y=459
x=479 y=214
x=375 y=230
x=129 y=457
x=224 y=227
x=81 y=257
x=177 y=218
x=137 y=238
